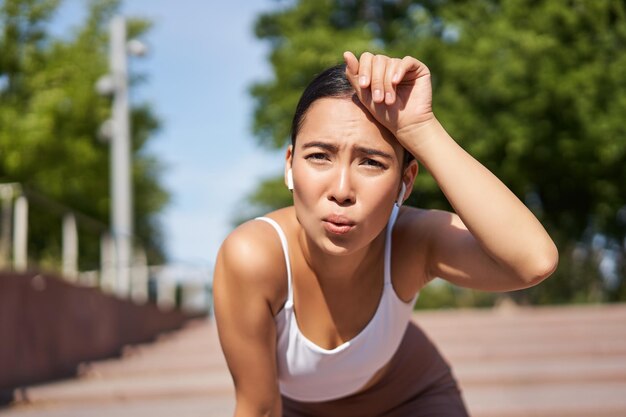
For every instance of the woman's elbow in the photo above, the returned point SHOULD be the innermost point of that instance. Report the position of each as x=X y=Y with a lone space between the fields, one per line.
x=543 y=265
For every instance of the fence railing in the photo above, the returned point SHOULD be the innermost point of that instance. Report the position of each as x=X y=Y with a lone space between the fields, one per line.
x=84 y=253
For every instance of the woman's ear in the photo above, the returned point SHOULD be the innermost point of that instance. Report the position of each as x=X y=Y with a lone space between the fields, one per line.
x=408 y=179
x=288 y=171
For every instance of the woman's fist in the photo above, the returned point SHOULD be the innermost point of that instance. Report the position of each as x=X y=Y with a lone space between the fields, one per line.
x=396 y=91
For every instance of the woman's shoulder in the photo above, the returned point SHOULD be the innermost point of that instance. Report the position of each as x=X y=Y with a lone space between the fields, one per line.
x=252 y=256
x=253 y=236
x=414 y=221
x=414 y=235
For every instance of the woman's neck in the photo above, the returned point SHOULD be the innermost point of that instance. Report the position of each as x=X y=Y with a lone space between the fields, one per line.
x=340 y=269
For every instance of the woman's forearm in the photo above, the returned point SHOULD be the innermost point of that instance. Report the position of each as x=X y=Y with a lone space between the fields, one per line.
x=504 y=227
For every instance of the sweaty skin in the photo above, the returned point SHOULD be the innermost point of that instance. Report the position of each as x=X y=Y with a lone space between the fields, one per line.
x=347 y=171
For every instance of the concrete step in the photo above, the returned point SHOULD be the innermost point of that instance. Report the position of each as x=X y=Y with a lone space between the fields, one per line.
x=602 y=399
x=529 y=372
x=522 y=362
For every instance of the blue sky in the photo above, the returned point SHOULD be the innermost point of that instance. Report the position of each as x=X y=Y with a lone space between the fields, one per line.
x=202 y=58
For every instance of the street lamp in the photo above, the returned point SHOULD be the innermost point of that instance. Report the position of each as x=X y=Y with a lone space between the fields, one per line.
x=117 y=131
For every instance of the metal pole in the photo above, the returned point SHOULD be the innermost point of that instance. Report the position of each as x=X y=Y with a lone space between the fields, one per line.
x=20 y=235
x=121 y=201
x=6 y=195
x=140 y=276
x=108 y=263
x=70 y=248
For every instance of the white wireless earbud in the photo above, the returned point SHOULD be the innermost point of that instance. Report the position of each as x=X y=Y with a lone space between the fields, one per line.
x=401 y=196
x=290 y=180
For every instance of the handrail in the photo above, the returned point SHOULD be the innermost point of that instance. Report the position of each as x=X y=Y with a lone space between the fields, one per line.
x=142 y=279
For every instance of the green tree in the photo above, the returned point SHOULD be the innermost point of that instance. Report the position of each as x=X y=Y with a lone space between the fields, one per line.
x=535 y=90
x=50 y=114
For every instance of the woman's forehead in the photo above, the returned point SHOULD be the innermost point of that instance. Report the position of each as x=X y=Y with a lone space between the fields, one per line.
x=344 y=122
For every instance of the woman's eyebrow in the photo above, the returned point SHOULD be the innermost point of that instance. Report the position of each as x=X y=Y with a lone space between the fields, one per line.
x=324 y=145
x=370 y=151
x=334 y=149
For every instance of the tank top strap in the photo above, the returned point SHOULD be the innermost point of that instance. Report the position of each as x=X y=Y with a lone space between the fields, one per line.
x=390 y=224
x=283 y=242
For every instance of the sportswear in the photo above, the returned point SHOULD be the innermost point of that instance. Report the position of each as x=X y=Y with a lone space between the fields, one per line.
x=308 y=372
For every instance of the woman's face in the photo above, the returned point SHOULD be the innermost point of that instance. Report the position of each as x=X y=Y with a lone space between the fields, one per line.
x=346 y=172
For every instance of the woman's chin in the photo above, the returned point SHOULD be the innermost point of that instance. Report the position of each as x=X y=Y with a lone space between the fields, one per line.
x=338 y=247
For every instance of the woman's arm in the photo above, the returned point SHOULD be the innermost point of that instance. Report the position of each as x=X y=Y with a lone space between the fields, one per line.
x=242 y=288
x=493 y=242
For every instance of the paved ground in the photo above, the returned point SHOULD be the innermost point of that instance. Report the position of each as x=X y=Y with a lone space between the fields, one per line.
x=511 y=362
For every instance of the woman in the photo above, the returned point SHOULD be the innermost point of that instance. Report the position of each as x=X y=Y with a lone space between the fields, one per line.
x=312 y=303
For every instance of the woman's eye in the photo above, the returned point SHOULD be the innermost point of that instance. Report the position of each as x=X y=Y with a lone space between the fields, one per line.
x=373 y=163
x=316 y=157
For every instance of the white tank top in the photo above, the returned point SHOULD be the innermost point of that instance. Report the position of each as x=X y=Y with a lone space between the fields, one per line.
x=308 y=372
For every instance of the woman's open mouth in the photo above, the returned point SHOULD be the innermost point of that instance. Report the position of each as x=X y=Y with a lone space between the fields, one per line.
x=338 y=225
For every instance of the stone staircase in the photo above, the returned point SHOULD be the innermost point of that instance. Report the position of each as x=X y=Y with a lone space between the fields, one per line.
x=510 y=362
x=541 y=362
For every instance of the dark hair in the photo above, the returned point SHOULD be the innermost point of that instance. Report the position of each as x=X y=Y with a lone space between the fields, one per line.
x=332 y=82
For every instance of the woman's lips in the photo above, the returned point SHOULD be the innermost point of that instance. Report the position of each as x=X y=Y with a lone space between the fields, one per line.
x=338 y=225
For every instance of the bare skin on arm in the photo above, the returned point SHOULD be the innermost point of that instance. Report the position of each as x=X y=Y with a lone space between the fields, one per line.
x=245 y=293
x=499 y=246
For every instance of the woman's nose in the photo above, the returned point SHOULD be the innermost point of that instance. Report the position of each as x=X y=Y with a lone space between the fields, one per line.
x=342 y=189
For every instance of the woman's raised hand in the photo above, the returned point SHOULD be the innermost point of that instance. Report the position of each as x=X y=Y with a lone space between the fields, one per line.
x=396 y=91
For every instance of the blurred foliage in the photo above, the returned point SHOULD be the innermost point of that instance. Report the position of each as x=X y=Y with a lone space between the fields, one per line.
x=50 y=114
x=534 y=89
x=441 y=294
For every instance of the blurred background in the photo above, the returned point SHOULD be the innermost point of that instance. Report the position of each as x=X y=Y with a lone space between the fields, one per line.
x=134 y=135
